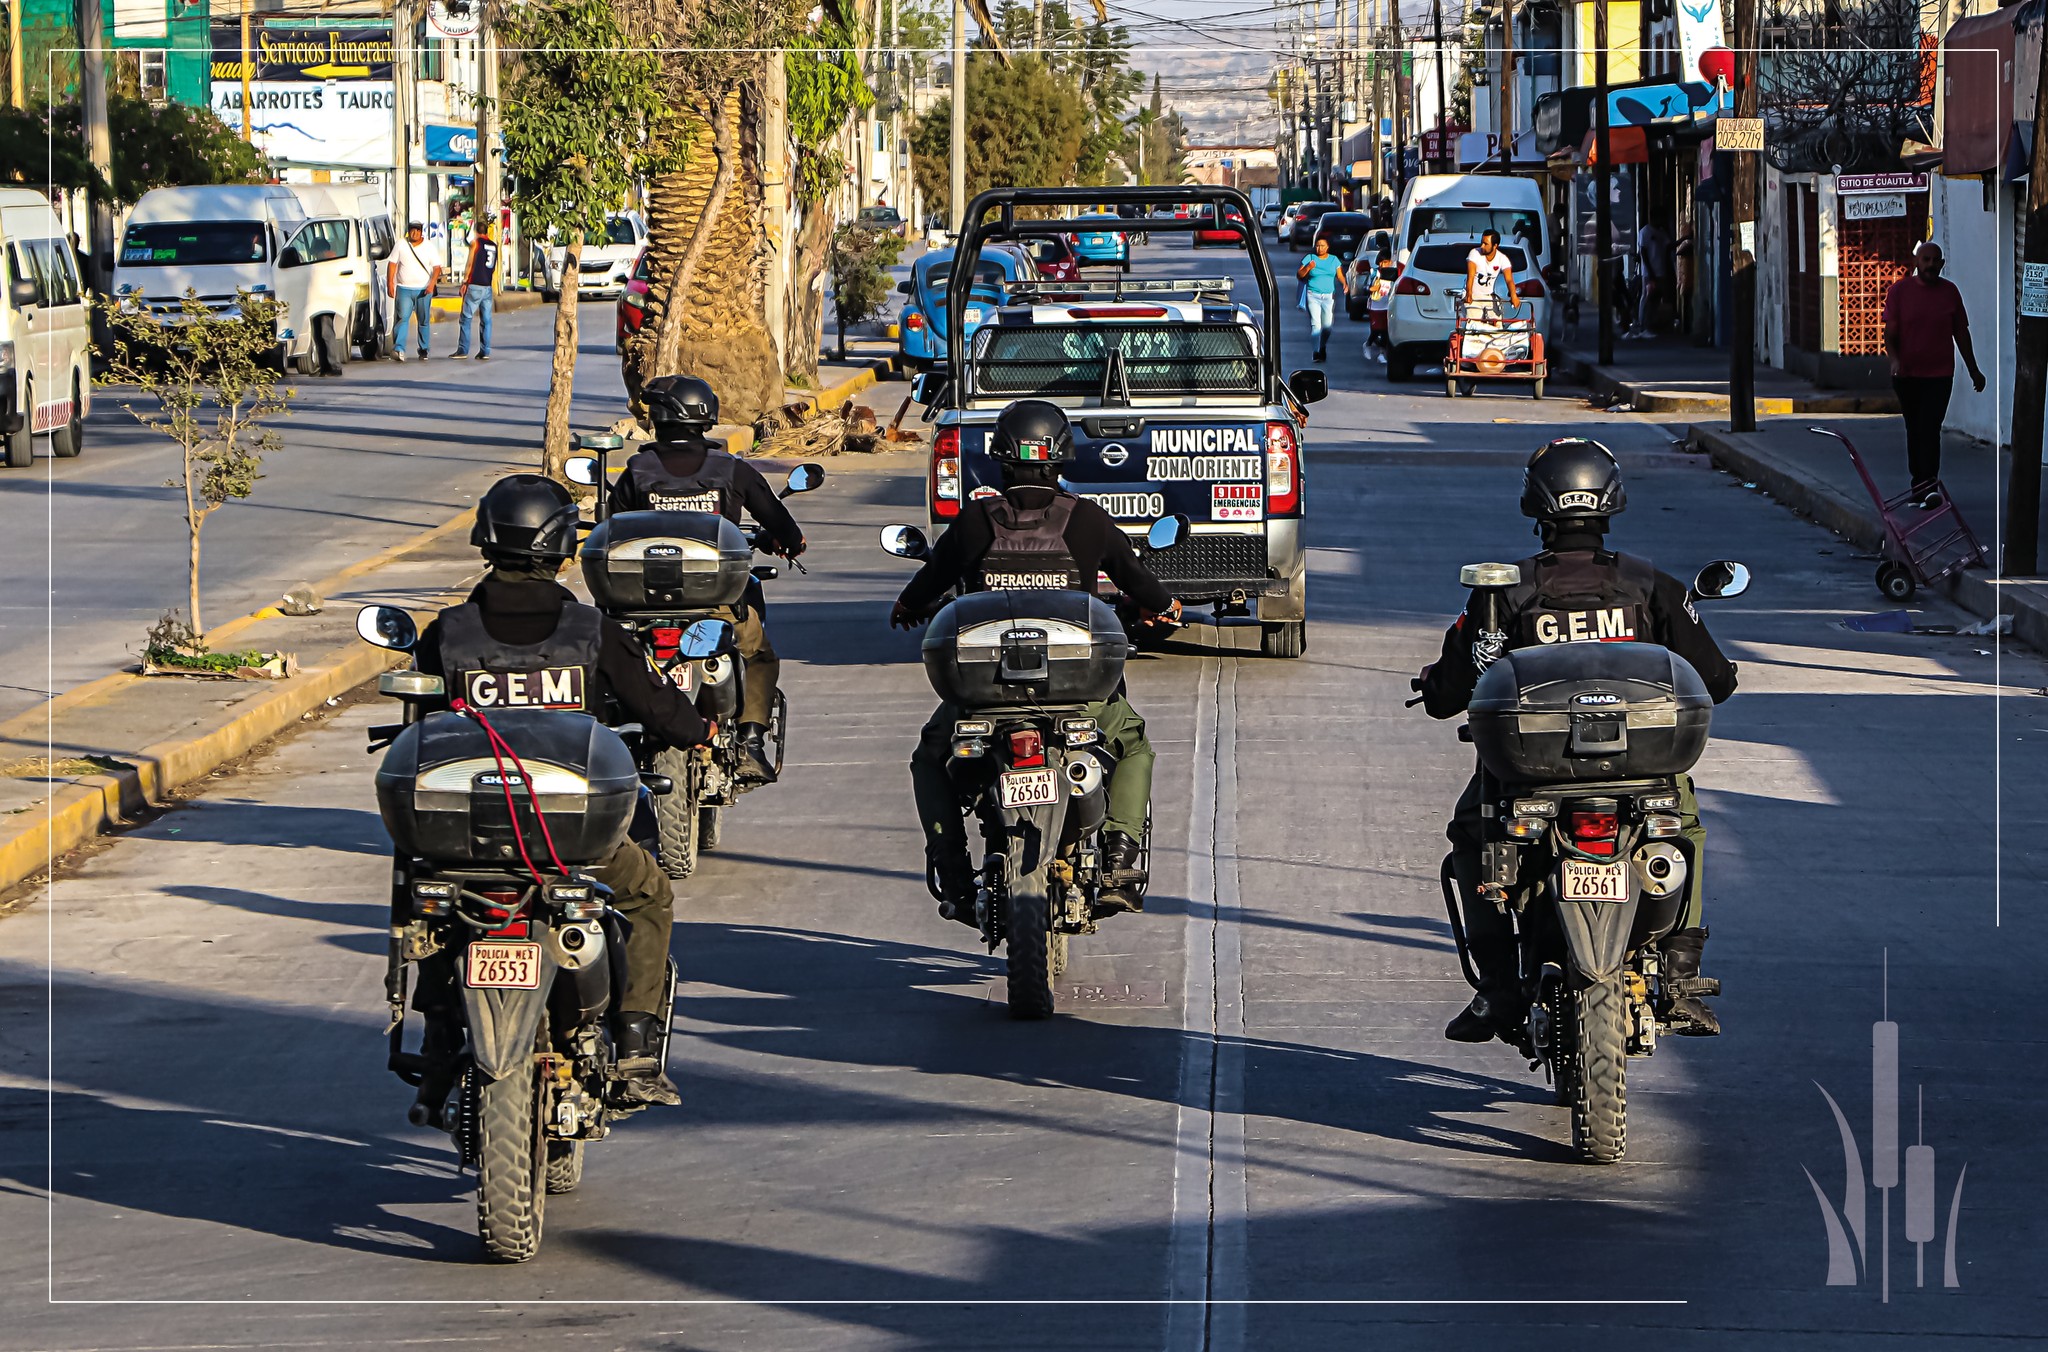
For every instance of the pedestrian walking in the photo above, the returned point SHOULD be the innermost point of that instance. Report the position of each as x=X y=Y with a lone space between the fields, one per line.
x=1925 y=325
x=479 y=293
x=1654 y=259
x=410 y=279
x=1320 y=275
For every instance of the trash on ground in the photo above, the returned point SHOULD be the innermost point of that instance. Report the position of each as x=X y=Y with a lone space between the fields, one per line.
x=301 y=600
x=1621 y=408
x=2001 y=626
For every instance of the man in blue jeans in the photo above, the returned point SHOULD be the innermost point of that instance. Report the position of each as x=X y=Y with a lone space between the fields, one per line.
x=479 y=298
x=410 y=280
x=1321 y=273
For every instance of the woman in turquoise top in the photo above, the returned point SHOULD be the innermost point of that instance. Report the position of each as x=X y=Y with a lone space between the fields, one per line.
x=1321 y=274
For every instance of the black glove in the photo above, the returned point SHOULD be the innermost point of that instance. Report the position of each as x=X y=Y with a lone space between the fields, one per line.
x=902 y=617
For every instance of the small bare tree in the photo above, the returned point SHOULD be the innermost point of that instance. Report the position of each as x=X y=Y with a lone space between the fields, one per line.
x=209 y=381
x=1843 y=83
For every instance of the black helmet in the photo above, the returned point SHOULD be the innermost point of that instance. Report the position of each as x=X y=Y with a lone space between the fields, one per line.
x=1572 y=478
x=681 y=403
x=526 y=518
x=1032 y=432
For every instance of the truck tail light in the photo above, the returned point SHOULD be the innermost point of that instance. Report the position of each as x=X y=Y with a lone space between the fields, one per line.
x=1409 y=286
x=1283 y=468
x=945 y=483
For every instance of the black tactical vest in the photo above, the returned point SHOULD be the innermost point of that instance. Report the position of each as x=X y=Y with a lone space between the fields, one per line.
x=708 y=490
x=1582 y=596
x=1029 y=552
x=559 y=672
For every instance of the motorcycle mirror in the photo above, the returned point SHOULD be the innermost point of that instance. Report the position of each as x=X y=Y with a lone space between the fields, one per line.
x=1309 y=386
x=659 y=785
x=387 y=627
x=705 y=638
x=1720 y=580
x=1476 y=575
x=804 y=478
x=581 y=469
x=1168 y=531
x=905 y=542
x=597 y=441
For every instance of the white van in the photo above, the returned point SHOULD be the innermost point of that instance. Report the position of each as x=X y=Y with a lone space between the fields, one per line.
x=1471 y=204
x=219 y=241
x=45 y=333
x=370 y=240
x=608 y=258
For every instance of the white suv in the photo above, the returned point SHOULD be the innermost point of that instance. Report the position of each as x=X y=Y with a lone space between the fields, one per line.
x=1422 y=310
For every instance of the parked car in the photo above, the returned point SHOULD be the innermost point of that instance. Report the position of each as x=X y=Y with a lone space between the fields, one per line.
x=1223 y=225
x=633 y=302
x=1345 y=230
x=882 y=216
x=1372 y=269
x=1098 y=243
x=1471 y=204
x=1054 y=258
x=371 y=238
x=1283 y=229
x=608 y=259
x=1269 y=216
x=1424 y=308
x=45 y=329
x=921 y=327
x=1306 y=214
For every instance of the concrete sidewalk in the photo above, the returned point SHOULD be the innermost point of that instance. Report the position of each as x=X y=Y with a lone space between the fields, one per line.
x=1814 y=476
x=1672 y=375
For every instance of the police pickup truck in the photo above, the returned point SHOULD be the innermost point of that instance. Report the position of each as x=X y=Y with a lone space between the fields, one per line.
x=1177 y=406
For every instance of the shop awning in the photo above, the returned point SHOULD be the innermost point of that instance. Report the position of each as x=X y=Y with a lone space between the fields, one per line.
x=1630 y=145
x=1563 y=119
x=1976 y=107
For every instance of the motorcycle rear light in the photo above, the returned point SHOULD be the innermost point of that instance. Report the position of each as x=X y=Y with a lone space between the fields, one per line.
x=517 y=929
x=1409 y=286
x=973 y=727
x=967 y=748
x=1594 y=832
x=497 y=907
x=1283 y=468
x=1534 y=807
x=562 y=894
x=1658 y=802
x=666 y=639
x=1079 y=731
x=1658 y=826
x=433 y=898
x=1027 y=748
x=1525 y=828
x=945 y=483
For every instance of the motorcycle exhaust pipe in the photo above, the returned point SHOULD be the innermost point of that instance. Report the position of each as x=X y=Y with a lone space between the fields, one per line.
x=1084 y=776
x=1660 y=867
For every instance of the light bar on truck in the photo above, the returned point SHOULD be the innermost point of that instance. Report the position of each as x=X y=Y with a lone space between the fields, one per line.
x=1150 y=286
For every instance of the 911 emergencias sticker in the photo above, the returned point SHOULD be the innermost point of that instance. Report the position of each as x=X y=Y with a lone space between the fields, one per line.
x=1237 y=502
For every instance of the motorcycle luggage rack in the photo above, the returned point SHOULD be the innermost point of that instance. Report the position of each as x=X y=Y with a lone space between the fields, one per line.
x=1201 y=287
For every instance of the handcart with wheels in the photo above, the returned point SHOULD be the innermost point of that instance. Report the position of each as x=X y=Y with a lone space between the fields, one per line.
x=1491 y=340
x=1921 y=546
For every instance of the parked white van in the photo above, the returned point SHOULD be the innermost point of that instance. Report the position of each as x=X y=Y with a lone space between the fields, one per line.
x=45 y=333
x=1471 y=204
x=219 y=241
x=358 y=258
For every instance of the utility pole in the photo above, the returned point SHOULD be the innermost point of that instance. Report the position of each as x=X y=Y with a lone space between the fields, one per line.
x=17 y=86
x=1379 y=102
x=1742 y=347
x=99 y=144
x=486 y=180
x=1603 y=187
x=248 y=108
x=401 y=124
x=2030 y=380
x=956 y=209
x=1507 y=76
x=1400 y=104
x=1443 y=107
x=775 y=204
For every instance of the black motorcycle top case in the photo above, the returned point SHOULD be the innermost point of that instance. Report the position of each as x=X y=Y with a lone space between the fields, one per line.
x=662 y=563
x=1589 y=711
x=1006 y=648
x=442 y=794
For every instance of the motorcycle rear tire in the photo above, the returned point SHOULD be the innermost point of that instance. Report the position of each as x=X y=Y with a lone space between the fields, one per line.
x=565 y=1165
x=1600 y=1047
x=512 y=1167
x=710 y=821
x=677 y=814
x=1035 y=952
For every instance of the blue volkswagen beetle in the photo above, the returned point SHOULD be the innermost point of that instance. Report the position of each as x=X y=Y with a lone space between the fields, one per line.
x=921 y=328
x=1099 y=241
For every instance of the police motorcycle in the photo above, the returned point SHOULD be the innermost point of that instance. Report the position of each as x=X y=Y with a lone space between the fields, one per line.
x=1029 y=762
x=1579 y=745
x=657 y=573
x=493 y=817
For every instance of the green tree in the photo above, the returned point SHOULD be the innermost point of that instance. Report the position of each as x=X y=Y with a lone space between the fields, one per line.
x=583 y=118
x=210 y=392
x=154 y=147
x=1023 y=126
x=860 y=275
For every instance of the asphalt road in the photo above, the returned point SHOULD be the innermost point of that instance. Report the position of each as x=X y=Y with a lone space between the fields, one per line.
x=1256 y=1111
x=367 y=460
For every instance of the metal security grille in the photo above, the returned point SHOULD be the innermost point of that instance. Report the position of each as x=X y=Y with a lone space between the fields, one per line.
x=1156 y=359
x=1874 y=254
x=1210 y=557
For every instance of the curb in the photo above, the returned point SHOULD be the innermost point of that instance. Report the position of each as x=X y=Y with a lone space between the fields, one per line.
x=833 y=396
x=1645 y=397
x=1977 y=591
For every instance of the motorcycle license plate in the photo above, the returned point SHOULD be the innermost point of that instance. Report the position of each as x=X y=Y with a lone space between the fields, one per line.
x=1594 y=882
x=683 y=675
x=1027 y=788
x=504 y=966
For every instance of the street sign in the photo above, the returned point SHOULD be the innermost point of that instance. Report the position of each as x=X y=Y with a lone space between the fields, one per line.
x=455 y=19
x=1856 y=183
x=1873 y=206
x=2034 y=290
x=1739 y=133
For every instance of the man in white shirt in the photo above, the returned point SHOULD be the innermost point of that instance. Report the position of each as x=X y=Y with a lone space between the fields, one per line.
x=1485 y=267
x=411 y=279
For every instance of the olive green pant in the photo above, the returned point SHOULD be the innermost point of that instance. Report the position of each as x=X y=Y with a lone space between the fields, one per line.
x=938 y=804
x=764 y=668
x=1490 y=931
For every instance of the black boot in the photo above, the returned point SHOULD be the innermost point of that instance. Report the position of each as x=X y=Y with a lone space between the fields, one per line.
x=1687 y=1013
x=952 y=877
x=639 y=1046
x=754 y=766
x=1123 y=880
x=1497 y=1009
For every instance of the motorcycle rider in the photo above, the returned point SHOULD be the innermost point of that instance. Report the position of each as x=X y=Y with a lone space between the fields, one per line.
x=1573 y=488
x=520 y=621
x=1034 y=535
x=685 y=471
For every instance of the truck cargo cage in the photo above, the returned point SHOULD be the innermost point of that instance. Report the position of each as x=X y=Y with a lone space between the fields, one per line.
x=1200 y=288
